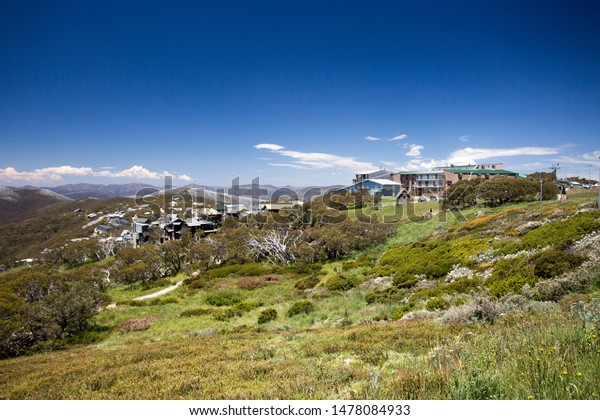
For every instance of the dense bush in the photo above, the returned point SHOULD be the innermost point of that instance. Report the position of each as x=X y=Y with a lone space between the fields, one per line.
x=43 y=304
x=402 y=310
x=341 y=282
x=510 y=275
x=389 y=295
x=307 y=283
x=559 y=234
x=300 y=307
x=437 y=303
x=554 y=262
x=267 y=315
x=223 y=298
x=431 y=258
x=196 y=312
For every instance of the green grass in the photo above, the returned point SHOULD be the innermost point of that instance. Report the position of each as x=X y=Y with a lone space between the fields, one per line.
x=523 y=357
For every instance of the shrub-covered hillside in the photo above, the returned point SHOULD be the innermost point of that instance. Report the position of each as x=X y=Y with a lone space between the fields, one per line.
x=499 y=303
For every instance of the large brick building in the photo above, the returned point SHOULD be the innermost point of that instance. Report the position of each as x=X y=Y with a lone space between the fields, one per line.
x=436 y=181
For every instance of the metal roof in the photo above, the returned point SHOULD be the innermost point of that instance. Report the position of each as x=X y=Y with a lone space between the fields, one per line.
x=481 y=171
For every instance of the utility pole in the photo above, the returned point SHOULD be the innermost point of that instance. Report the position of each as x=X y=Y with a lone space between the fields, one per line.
x=554 y=168
x=589 y=175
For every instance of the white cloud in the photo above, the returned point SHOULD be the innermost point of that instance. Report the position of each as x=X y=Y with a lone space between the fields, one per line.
x=395 y=138
x=268 y=146
x=414 y=150
x=185 y=177
x=57 y=173
x=421 y=164
x=463 y=139
x=315 y=160
x=388 y=163
x=470 y=155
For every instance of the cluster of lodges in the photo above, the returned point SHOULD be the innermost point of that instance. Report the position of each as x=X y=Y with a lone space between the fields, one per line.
x=431 y=183
x=204 y=220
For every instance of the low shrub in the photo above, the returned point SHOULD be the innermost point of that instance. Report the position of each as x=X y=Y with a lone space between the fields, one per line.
x=437 y=304
x=137 y=324
x=510 y=275
x=402 y=310
x=251 y=283
x=554 y=262
x=267 y=315
x=223 y=298
x=390 y=295
x=341 y=282
x=300 y=307
x=226 y=314
x=196 y=312
x=246 y=306
x=198 y=284
x=431 y=258
x=307 y=283
x=405 y=280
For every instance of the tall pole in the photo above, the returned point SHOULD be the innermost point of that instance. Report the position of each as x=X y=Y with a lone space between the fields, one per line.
x=589 y=175
x=541 y=181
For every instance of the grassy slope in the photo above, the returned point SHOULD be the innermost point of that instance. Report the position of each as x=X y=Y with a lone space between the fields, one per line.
x=546 y=354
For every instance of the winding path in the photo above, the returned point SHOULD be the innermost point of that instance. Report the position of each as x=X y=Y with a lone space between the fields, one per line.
x=160 y=292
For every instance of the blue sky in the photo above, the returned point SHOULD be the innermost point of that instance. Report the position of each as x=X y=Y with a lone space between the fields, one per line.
x=295 y=92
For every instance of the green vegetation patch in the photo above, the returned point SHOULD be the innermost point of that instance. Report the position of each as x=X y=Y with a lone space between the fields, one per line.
x=300 y=307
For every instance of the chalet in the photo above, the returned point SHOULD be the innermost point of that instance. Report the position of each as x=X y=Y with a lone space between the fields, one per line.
x=139 y=229
x=385 y=188
x=171 y=226
x=197 y=225
x=403 y=197
x=103 y=229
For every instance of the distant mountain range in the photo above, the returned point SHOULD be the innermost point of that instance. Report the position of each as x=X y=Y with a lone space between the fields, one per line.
x=268 y=191
x=77 y=191
x=17 y=203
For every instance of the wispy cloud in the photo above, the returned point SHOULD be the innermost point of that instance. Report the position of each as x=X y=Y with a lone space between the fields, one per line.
x=395 y=138
x=463 y=139
x=414 y=150
x=57 y=173
x=470 y=155
x=591 y=158
x=268 y=146
x=315 y=160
